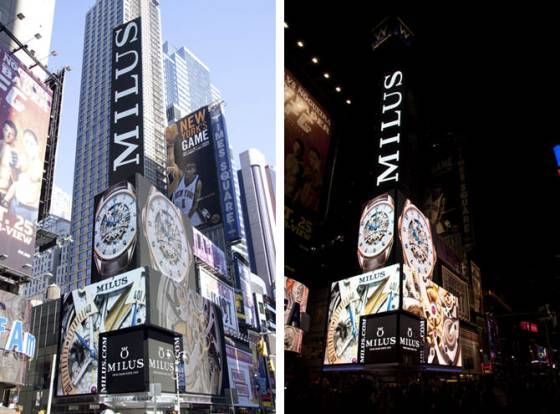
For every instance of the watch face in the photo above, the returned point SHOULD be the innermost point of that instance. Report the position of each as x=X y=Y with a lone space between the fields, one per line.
x=115 y=225
x=342 y=334
x=376 y=229
x=416 y=238
x=167 y=241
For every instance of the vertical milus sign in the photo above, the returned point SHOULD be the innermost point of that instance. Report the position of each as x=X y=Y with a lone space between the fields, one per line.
x=126 y=148
x=391 y=128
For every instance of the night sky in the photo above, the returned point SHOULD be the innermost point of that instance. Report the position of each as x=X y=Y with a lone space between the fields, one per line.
x=489 y=78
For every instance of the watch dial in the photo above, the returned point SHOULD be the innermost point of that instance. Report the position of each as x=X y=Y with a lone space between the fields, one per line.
x=376 y=229
x=115 y=225
x=417 y=242
x=166 y=238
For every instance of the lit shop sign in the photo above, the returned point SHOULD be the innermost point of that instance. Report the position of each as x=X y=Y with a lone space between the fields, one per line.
x=529 y=326
x=18 y=340
x=126 y=148
x=391 y=120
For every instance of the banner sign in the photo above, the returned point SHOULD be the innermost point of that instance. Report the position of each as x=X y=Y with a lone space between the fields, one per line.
x=209 y=253
x=25 y=109
x=17 y=344
x=225 y=173
x=378 y=339
x=244 y=278
x=126 y=145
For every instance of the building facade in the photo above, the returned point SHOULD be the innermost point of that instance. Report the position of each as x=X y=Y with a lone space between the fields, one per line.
x=187 y=82
x=92 y=147
x=61 y=203
x=52 y=263
x=258 y=211
x=33 y=27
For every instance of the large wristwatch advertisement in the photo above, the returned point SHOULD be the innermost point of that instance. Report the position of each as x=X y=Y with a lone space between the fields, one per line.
x=115 y=230
x=112 y=304
x=375 y=237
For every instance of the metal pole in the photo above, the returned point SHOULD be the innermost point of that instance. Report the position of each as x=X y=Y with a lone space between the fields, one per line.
x=51 y=385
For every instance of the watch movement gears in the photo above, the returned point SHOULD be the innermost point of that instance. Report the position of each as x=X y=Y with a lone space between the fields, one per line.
x=342 y=339
x=375 y=237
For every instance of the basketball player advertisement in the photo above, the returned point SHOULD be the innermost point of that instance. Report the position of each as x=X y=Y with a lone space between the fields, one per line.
x=366 y=294
x=25 y=108
x=115 y=303
x=192 y=171
x=307 y=134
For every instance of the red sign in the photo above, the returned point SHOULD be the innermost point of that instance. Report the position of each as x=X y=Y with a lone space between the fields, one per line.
x=529 y=326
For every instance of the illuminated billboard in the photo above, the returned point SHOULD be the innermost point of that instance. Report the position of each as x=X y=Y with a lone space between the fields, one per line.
x=366 y=294
x=295 y=304
x=222 y=295
x=25 y=108
x=17 y=344
x=242 y=375
x=307 y=144
x=440 y=309
x=112 y=304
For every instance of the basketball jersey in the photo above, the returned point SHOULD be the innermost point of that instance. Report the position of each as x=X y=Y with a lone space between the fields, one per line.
x=183 y=197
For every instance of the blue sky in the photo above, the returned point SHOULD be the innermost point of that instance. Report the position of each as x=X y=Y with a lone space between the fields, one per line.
x=234 y=38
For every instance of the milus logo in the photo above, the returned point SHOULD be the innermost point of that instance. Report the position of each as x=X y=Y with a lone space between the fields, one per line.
x=410 y=342
x=124 y=352
x=381 y=342
x=380 y=331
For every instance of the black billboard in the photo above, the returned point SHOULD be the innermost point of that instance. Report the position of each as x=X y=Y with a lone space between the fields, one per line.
x=121 y=363
x=126 y=146
x=193 y=174
x=132 y=359
x=378 y=339
x=136 y=225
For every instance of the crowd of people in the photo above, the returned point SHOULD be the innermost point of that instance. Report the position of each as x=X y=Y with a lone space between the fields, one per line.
x=535 y=394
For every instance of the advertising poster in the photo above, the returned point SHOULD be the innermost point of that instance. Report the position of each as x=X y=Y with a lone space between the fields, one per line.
x=369 y=293
x=378 y=339
x=295 y=304
x=115 y=303
x=307 y=129
x=242 y=376
x=137 y=225
x=161 y=364
x=440 y=308
x=477 y=288
x=222 y=295
x=175 y=307
x=25 y=108
x=17 y=344
x=225 y=174
x=459 y=288
x=209 y=253
x=126 y=146
x=244 y=277
x=193 y=174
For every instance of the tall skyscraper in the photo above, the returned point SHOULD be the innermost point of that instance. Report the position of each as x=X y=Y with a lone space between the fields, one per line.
x=33 y=27
x=187 y=82
x=258 y=212
x=92 y=147
x=61 y=203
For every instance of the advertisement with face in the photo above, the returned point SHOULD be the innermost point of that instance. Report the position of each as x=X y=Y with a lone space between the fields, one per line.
x=295 y=304
x=242 y=376
x=193 y=174
x=222 y=295
x=307 y=143
x=17 y=344
x=115 y=303
x=176 y=307
x=369 y=293
x=440 y=309
x=25 y=108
